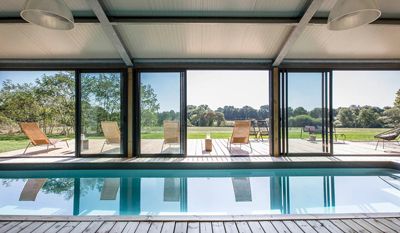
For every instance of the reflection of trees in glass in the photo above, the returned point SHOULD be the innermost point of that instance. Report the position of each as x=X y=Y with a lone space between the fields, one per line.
x=100 y=101
x=149 y=106
x=49 y=101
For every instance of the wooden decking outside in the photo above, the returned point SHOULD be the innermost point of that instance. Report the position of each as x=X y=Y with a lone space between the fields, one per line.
x=288 y=224
x=196 y=147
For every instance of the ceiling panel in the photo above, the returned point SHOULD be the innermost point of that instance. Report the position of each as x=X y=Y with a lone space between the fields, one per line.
x=285 y=8
x=29 y=42
x=203 y=40
x=13 y=7
x=389 y=8
x=367 y=42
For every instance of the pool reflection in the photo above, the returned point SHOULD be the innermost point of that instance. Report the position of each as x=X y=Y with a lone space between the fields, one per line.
x=199 y=195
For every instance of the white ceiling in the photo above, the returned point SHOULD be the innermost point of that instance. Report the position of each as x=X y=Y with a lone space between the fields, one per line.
x=203 y=40
x=199 y=40
x=30 y=41
x=368 y=42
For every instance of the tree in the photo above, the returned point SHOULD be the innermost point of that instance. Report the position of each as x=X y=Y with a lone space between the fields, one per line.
x=367 y=118
x=300 y=111
x=149 y=106
x=316 y=113
x=346 y=117
x=397 y=99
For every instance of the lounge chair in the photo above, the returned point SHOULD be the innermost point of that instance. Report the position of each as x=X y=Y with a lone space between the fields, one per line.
x=36 y=136
x=171 y=133
x=254 y=130
x=31 y=189
x=111 y=133
x=240 y=134
x=390 y=135
x=263 y=129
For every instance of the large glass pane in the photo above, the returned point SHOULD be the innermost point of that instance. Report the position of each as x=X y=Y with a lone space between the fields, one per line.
x=160 y=113
x=230 y=109
x=37 y=113
x=366 y=112
x=304 y=112
x=101 y=113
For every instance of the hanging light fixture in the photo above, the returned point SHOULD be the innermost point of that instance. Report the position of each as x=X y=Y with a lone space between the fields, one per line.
x=53 y=14
x=348 y=14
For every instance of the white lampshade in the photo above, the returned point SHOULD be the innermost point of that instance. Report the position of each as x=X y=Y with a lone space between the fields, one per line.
x=348 y=14
x=53 y=14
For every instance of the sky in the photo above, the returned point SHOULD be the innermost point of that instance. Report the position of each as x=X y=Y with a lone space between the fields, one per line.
x=239 y=88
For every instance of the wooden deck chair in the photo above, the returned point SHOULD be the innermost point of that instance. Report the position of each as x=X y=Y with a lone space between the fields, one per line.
x=36 y=136
x=242 y=189
x=110 y=189
x=263 y=129
x=254 y=129
x=111 y=133
x=390 y=135
x=171 y=133
x=240 y=134
x=172 y=187
x=31 y=189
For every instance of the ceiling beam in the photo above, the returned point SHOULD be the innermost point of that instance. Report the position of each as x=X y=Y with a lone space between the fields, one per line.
x=297 y=30
x=115 y=20
x=110 y=31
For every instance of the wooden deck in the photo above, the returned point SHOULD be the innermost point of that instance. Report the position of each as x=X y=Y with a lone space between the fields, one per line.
x=277 y=224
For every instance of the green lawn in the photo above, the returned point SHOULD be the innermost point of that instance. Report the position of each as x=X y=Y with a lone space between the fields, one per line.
x=19 y=141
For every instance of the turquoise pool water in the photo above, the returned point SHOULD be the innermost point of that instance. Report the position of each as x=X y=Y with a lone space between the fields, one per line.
x=203 y=192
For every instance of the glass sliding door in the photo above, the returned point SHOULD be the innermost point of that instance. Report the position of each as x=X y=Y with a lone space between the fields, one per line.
x=101 y=113
x=306 y=121
x=37 y=113
x=161 y=102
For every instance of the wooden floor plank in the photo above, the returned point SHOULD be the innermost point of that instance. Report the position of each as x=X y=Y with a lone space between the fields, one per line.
x=367 y=225
x=106 y=227
x=31 y=227
x=330 y=226
x=268 y=227
x=394 y=220
x=292 y=226
x=206 y=227
x=193 y=227
x=19 y=227
x=143 y=227
x=317 y=226
x=118 y=227
x=80 y=227
x=8 y=226
x=56 y=227
x=44 y=227
x=68 y=227
x=180 y=227
x=93 y=227
x=243 y=227
x=3 y=223
x=155 y=227
x=130 y=227
x=280 y=227
x=218 y=227
x=168 y=227
x=379 y=225
x=255 y=227
x=355 y=226
x=342 y=226
x=389 y=224
x=305 y=227
x=230 y=227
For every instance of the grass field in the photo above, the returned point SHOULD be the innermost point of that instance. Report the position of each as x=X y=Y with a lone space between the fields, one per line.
x=15 y=142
